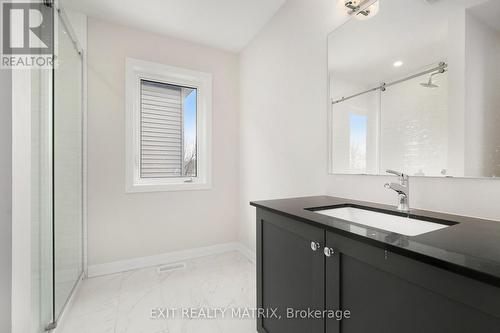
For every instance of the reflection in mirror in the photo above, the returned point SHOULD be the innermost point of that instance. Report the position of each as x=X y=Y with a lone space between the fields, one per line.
x=418 y=92
x=414 y=124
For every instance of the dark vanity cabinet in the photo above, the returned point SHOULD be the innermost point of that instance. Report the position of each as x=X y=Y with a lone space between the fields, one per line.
x=383 y=291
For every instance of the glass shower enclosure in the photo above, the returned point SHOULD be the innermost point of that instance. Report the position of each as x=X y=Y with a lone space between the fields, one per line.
x=67 y=165
x=57 y=178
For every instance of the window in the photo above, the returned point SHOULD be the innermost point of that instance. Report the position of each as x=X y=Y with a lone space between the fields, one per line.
x=357 y=142
x=168 y=128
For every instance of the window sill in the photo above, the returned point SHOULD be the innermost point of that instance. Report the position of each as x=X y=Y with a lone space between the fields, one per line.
x=144 y=188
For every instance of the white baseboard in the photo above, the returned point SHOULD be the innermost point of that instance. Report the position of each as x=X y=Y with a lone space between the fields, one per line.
x=246 y=252
x=167 y=258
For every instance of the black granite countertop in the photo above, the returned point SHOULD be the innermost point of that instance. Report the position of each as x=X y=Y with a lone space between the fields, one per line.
x=469 y=246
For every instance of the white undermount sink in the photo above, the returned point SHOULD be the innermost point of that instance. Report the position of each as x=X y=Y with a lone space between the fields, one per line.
x=393 y=223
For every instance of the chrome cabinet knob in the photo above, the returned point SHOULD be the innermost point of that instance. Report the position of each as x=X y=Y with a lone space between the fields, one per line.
x=315 y=246
x=328 y=251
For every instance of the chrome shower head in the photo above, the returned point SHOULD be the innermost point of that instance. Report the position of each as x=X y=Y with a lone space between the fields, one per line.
x=429 y=84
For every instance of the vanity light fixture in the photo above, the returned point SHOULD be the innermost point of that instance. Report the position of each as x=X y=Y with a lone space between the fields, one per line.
x=398 y=63
x=362 y=9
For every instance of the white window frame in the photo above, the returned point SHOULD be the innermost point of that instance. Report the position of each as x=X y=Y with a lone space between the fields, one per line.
x=137 y=70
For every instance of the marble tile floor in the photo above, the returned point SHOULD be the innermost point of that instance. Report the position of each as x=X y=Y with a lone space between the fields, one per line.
x=123 y=303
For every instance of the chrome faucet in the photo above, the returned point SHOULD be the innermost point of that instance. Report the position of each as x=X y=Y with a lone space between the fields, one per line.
x=402 y=189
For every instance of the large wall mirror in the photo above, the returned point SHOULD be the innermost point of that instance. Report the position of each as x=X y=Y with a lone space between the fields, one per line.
x=416 y=88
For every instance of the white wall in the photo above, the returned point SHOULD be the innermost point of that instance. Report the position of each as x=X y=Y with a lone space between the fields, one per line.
x=5 y=199
x=284 y=127
x=482 y=98
x=283 y=99
x=456 y=93
x=124 y=226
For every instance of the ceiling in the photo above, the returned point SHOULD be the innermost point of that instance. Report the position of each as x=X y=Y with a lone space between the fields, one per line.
x=224 y=24
x=488 y=13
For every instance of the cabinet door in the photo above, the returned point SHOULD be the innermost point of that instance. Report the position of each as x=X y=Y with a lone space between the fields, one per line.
x=388 y=293
x=290 y=274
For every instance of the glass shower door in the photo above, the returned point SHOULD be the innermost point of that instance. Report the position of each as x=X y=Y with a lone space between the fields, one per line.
x=41 y=200
x=68 y=171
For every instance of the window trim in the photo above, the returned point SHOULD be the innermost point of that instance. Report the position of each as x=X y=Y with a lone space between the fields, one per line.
x=137 y=70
